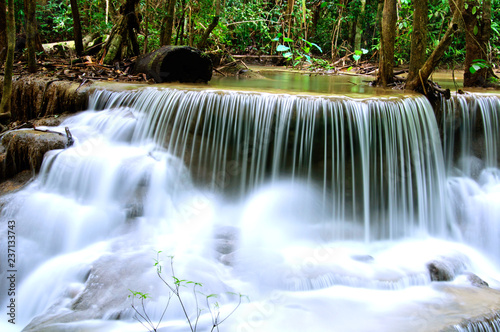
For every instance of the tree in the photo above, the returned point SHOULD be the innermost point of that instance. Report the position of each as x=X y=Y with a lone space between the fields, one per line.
x=3 y=31
x=477 y=22
x=77 y=28
x=388 y=37
x=213 y=24
x=418 y=37
x=30 y=6
x=419 y=82
x=122 y=42
x=359 y=26
x=5 y=104
x=168 y=24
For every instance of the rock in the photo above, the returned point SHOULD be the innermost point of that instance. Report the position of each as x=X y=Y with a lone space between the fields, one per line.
x=475 y=280
x=24 y=150
x=445 y=269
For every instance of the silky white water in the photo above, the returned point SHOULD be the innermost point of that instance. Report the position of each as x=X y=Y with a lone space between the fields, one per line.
x=323 y=212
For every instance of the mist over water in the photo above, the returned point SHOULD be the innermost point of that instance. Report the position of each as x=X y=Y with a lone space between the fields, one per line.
x=325 y=212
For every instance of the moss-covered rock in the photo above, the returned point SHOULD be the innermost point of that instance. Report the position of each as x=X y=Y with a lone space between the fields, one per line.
x=24 y=150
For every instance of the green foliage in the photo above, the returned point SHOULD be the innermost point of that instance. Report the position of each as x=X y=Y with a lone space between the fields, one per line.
x=297 y=53
x=55 y=21
x=478 y=64
x=174 y=288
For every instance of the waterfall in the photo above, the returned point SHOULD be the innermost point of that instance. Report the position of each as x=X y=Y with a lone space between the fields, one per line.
x=313 y=206
x=471 y=127
x=377 y=161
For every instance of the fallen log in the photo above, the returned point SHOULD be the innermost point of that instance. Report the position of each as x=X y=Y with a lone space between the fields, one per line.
x=175 y=64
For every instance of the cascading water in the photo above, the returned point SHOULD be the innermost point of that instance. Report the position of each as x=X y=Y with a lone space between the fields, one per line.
x=326 y=212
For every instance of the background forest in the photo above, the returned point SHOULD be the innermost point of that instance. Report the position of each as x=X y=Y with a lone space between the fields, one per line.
x=323 y=30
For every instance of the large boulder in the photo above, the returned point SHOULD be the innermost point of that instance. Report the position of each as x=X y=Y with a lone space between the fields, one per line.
x=25 y=149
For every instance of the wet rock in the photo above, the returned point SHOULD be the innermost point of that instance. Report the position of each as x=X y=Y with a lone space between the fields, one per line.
x=363 y=258
x=475 y=280
x=24 y=150
x=445 y=269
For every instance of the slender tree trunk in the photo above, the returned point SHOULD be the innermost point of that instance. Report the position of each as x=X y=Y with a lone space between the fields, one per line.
x=3 y=31
x=418 y=37
x=215 y=21
x=436 y=55
x=477 y=19
x=146 y=29
x=168 y=24
x=359 y=26
x=388 y=36
x=31 y=35
x=5 y=104
x=77 y=28
x=378 y=19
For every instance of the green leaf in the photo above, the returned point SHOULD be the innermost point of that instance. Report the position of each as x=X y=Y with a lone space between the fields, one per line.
x=476 y=30
x=466 y=6
x=287 y=40
x=282 y=48
x=474 y=68
x=349 y=69
x=288 y=54
x=307 y=49
x=358 y=52
x=474 y=10
x=356 y=57
x=324 y=4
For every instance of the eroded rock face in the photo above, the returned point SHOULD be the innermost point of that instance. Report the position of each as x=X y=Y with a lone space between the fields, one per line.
x=24 y=150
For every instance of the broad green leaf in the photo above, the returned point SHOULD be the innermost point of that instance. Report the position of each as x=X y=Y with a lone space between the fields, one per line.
x=476 y=30
x=474 y=10
x=307 y=49
x=282 y=48
x=324 y=4
x=466 y=6
x=358 y=52
x=288 y=40
x=474 y=68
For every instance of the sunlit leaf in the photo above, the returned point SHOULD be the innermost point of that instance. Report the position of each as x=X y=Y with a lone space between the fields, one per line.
x=474 y=10
x=282 y=48
x=356 y=57
x=287 y=54
x=288 y=40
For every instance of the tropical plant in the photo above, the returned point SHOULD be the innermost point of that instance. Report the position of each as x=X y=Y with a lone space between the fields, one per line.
x=174 y=287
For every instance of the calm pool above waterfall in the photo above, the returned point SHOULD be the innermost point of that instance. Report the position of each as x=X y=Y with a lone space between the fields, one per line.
x=299 y=202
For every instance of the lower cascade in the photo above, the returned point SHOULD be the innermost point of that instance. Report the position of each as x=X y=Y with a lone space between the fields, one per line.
x=264 y=212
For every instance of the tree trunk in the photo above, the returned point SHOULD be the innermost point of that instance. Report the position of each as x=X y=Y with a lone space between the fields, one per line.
x=418 y=37
x=203 y=42
x=477 y=21
x=388 y=36
x=31 y=34
x=5 y=105
x=77 y=28
x=3 y=32
x=421 y=80
x=359 y=26
x=168 y=24
x=122 y=42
